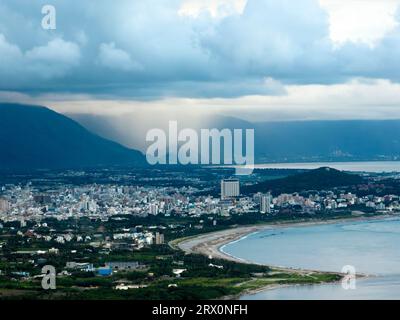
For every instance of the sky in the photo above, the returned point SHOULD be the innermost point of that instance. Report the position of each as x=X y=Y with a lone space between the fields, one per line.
x=258 y=60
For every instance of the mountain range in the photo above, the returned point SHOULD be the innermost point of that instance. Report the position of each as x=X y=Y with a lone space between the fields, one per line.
x=35 y=137
x=290 y=141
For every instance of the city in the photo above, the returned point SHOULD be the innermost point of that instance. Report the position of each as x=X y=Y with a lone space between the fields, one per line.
x=115 y=229
x=185 y=158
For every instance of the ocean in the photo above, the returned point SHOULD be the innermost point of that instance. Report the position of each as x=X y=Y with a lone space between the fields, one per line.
x=371 y=247
x=359 y=166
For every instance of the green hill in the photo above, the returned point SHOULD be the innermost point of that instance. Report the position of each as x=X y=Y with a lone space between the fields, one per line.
x=318 y=179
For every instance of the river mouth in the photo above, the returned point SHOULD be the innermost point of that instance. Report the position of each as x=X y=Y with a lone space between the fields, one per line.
x=371 y=247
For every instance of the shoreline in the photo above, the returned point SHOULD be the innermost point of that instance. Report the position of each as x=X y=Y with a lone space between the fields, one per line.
x=211 y=245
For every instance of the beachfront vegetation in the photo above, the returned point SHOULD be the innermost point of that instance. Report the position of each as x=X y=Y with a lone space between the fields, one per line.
x=203 y=278
x=183 y=288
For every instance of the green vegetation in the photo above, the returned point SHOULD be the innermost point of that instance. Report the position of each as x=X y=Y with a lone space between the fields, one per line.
x=200 y=280
x=318 y=179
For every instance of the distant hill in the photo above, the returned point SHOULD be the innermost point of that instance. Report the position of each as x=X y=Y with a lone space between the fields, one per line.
x=34 y=137
x=346 y=140
x=318 y=179
x=290 y=141
x=336 y=140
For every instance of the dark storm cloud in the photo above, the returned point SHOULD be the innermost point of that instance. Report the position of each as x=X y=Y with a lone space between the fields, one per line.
x=146 y=50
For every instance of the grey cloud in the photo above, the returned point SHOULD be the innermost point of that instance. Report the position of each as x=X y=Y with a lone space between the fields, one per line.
x=21 y=69
x=114 y=58
x=146 y=50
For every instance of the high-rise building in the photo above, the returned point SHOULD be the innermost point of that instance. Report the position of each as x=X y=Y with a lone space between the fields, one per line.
x=159 y=238
x=230 y=188
x=153 y=209
x=4 y=205
x=88 y=205
x=265 y=203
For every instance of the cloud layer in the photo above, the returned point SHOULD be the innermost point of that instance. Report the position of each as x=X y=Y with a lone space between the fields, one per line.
x=152 y=49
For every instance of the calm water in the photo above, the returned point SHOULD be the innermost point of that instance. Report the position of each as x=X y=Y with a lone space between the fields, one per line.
x=367 y=166
x=372 y=247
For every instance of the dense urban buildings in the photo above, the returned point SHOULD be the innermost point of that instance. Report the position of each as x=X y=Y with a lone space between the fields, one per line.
x=105 y=224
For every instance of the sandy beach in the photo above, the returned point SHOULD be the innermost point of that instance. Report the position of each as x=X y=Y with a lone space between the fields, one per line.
x=210 y=244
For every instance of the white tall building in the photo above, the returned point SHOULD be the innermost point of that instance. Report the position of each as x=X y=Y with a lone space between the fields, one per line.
x=88 y=205
x=265 y=203
x=153 y=209
x=230 y=188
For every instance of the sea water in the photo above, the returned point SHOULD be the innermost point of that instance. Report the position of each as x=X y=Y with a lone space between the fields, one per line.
x=371 y=247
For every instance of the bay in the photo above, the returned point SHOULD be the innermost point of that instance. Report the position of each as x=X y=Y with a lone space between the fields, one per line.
x=371 y=247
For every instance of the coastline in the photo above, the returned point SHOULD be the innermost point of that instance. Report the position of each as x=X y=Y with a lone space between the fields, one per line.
x=211 y=245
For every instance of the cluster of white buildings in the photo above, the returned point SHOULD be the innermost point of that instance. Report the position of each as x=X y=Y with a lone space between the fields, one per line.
x=130 y=238
x=23 y=203
x=328 y=200
x=97 y=201
x=104 y=201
